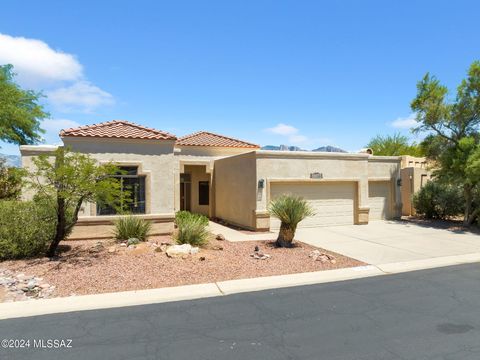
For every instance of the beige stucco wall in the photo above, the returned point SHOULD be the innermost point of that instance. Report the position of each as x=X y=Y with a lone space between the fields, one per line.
x=296 y=167
x=413 y=161
x=235 y=189
x=387 y=168
x=28 y=153
x=413 y=178
x=273 y=166
x=154 y=159
x=204 y=158
x=209 y=151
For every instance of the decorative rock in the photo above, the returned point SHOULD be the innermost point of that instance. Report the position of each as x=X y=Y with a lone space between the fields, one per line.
x=181 y=250
x=133 y=241
x=202 y=258
x=112 y=249
x=97 y=247
x=259 y=255
x=194 y=250
x=220 y=237
x=123 y=244
x=316 y=255
x=21 y=287
x=217 y=247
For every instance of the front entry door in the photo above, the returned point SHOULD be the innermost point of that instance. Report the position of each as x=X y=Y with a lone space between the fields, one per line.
x=185 y=191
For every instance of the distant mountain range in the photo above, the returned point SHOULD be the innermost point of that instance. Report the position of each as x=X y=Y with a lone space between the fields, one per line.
x=12 y=160
x=327 y=148
x=282 y=148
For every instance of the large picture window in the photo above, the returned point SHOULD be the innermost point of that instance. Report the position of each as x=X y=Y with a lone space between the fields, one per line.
x=133 y=189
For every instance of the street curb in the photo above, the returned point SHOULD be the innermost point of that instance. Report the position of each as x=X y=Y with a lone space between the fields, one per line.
x=423 y=264
x=190 y=292
x=280 y=281
x=106 y=301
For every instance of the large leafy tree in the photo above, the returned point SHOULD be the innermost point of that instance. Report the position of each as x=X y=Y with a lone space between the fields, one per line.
x=453 y=136
x=394 y=145
x=20 y=111
x=67 y=181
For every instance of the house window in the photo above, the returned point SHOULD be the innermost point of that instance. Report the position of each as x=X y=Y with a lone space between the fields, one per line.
x=203 y=193
x=133 y=189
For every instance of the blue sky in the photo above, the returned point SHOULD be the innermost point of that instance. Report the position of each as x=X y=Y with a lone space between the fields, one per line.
x=306 y=73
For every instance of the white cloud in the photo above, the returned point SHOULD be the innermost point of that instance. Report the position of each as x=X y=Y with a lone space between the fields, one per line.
x=37 y=63
x=290 y=132
x=81 y=96
x=405 y=122
x=53 y=127
x=60 y=74
x=282 y=129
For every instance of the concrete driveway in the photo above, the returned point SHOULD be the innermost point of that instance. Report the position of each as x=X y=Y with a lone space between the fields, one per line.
x=383 y=242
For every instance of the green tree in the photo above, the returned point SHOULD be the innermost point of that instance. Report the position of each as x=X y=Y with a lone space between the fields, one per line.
x=453 y=137
x=394 y=145
x=11 y=180
x=20 y=111
x=69 y=180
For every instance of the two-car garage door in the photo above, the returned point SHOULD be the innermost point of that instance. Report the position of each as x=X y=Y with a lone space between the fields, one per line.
x=333 y=203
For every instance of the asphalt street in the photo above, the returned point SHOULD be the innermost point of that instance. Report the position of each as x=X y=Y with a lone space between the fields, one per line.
x=430 y=314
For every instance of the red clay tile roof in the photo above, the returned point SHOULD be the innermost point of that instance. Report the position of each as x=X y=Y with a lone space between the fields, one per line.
x=204 y=138
x=117 y=129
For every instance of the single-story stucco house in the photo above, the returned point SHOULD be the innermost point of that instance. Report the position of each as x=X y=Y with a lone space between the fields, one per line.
x=229 y=179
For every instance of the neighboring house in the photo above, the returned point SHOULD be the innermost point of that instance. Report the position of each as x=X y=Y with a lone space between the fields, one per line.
x=228 y=178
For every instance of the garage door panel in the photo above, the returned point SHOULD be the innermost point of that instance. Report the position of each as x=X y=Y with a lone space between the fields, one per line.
x=379 y=200
x=333 y=203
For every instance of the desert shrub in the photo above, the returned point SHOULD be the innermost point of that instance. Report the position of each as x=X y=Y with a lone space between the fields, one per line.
x=436 y=200
x=11 y=181
x=182 y=216
x=26 y=228
x=130 y=226
x=192 y=228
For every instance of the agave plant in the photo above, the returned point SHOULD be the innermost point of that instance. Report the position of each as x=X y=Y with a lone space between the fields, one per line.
x=290 y=210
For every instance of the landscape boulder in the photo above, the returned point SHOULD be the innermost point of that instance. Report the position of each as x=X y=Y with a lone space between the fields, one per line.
x=181 y=250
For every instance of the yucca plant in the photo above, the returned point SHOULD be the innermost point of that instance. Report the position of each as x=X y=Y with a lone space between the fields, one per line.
x=128 y=227
x=290 y=210
x=192 y=228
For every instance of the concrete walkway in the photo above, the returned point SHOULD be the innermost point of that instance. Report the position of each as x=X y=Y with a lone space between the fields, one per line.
x=235 y=235
x=383 y=242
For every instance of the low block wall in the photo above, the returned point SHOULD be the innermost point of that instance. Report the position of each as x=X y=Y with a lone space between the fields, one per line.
x=100 y=227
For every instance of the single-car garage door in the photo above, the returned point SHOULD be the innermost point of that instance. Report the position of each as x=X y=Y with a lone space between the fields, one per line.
x=379 y=200
x=333 y=203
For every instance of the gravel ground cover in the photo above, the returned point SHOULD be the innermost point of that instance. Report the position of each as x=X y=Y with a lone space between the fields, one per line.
x=91 y=267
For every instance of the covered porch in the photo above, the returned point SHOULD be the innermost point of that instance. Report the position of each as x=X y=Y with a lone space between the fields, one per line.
x=195 y=187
